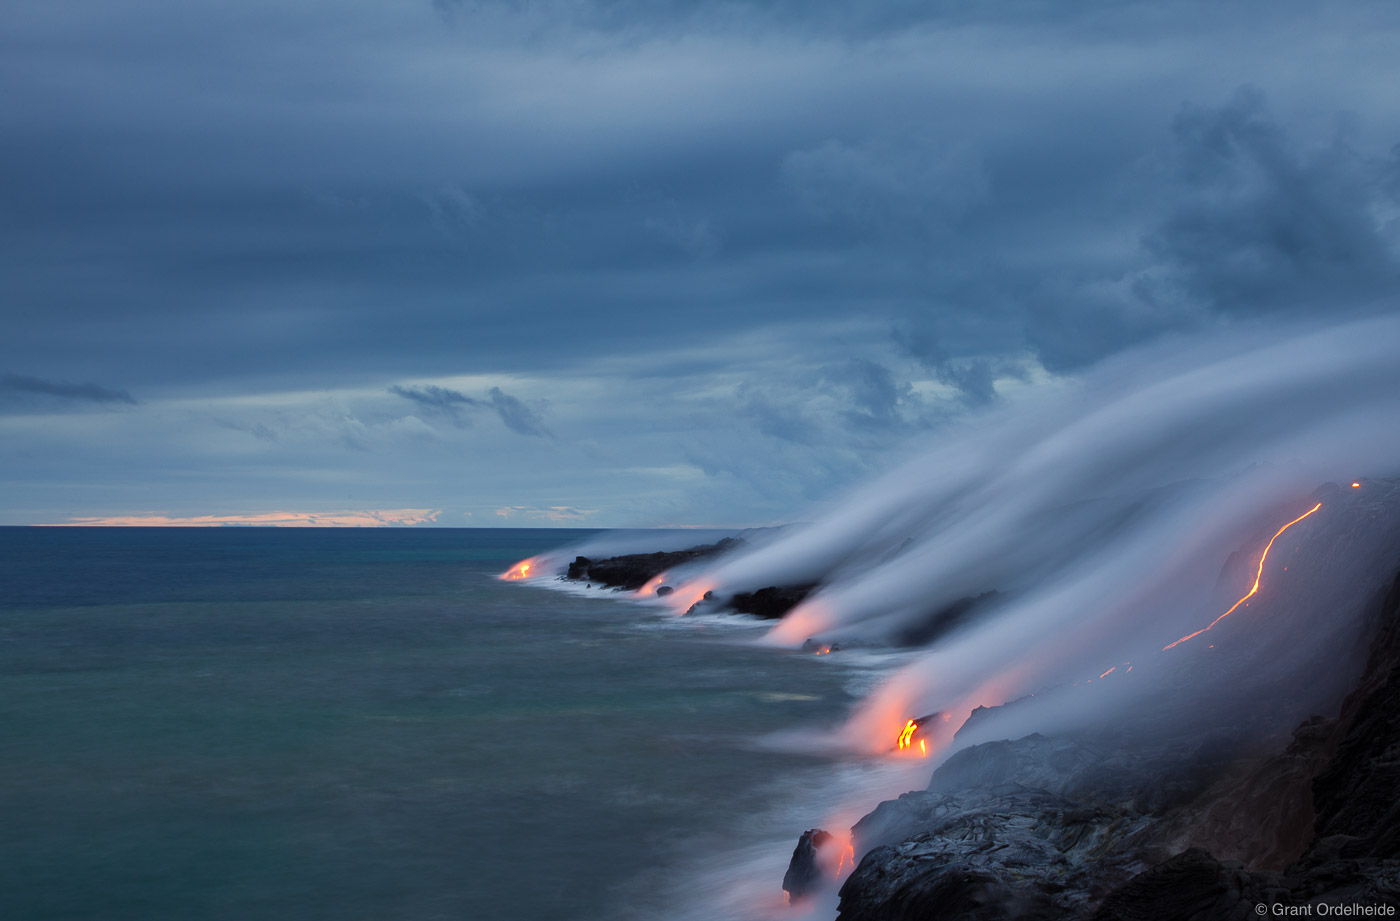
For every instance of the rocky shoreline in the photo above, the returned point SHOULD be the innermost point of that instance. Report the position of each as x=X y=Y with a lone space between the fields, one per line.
x=1195 y=812
x=1112 y=828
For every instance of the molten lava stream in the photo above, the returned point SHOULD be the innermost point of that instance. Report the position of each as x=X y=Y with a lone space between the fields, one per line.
x=688 y=595
x=907 y=741
x=837 y=854
x=521 y=570
x=1259 y=574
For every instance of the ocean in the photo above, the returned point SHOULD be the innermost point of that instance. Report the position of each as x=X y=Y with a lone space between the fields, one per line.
x=364 y=724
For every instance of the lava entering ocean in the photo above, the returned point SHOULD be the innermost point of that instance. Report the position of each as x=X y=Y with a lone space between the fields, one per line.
x=521 y=570
x=1057 y=542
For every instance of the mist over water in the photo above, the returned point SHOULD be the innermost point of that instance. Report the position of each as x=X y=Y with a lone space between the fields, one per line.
x=1092 y=526
x=341 y=724
x=1100 y=513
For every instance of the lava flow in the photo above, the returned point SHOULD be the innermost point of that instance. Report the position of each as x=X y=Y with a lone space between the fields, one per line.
x=1259 y=574
x=906 y=738
x=520 y=570
x=849 y=853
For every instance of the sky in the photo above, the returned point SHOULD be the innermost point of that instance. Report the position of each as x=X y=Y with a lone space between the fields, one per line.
x=602 y=264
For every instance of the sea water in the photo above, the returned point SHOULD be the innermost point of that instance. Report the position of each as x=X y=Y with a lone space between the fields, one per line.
x=365 y=724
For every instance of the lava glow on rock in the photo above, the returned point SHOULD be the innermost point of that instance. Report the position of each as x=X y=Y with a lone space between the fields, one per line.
x=520 y=570
x=906 y=740
x=847 y=853
x=1259 y=574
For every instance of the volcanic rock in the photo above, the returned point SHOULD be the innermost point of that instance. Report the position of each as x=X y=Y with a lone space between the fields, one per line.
x=1358 y=794
x=803 y=874
x=1108 y=828
x=942 y=621
x=1192 y=886
x=631 y=571
x=772 y=602
x=1005 y=851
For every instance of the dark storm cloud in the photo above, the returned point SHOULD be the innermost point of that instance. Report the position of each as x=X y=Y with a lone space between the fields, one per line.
x=757 y=228
x=453 y=405
x=843 y=18
x=517 y=417
x=87 y=393
x=439 y=401
x=974 y=378
x=1264 y=224
x=658 y=173
x=872 y=392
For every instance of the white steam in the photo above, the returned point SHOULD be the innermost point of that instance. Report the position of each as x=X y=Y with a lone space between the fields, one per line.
x=1100 y=513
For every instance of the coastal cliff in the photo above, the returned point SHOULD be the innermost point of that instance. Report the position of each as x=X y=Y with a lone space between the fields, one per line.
x=1265 y=772
x=1115 y=830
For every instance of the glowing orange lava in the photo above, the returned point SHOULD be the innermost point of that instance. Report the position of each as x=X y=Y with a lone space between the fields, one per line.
x=848 y=853
x=1109 y=672
x=652 y=585
x=520 y=570
x=1355 y=485
x=1257 y=576
x=906 y=738
x=690 y=599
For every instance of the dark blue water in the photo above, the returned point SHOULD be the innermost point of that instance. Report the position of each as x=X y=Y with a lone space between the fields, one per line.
x=263 y=723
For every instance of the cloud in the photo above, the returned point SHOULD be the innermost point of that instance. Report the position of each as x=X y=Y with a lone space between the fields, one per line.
x=440 y=401
x=453 y=406
x=436 y=399
x=875 y=398
x=692 y=226
x=517 y=417
x=90 y=393
x=886 y=185
x=555 y=513
x=1263 y=223
x=973 y=377
x=454 y=212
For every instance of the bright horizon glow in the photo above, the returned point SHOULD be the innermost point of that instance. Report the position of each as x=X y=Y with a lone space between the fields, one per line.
x=365 y=518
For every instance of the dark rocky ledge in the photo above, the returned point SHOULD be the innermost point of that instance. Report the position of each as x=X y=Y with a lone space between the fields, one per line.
x=803 y=873
x=633 y=570
x=771 y=602
x=1088 y=828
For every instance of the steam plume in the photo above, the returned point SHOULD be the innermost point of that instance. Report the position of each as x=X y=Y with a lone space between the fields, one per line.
x=1100 y=513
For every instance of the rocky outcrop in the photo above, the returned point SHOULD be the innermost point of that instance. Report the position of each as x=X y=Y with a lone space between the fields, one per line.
x=1006 y=851
x=772 y=602
x=1184 y=829
x=942 y=621
x=804 y=874
x=1195 y=886
x=1192 y=886
x=1331 y=795
x=631 y=571
x=1358 y=794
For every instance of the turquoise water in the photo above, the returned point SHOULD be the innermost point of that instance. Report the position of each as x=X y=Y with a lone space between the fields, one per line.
x=258 y=723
